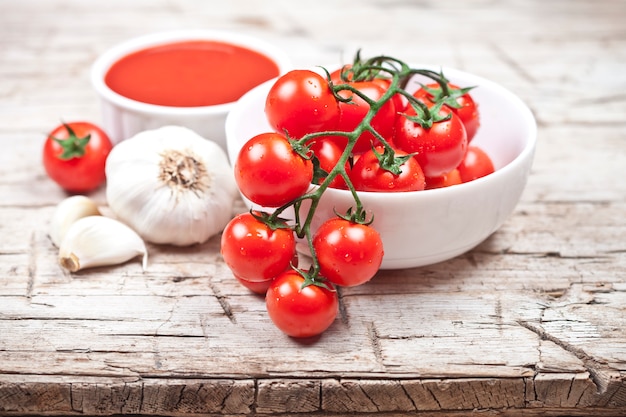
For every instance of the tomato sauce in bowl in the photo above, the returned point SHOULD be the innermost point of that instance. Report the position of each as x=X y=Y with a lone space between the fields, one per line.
x=191 y=73
x=190 y=78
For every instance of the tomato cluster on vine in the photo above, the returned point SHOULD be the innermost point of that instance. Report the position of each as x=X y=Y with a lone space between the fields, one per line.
x=357 y=129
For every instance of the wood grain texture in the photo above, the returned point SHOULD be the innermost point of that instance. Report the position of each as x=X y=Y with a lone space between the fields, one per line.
x=532 y=322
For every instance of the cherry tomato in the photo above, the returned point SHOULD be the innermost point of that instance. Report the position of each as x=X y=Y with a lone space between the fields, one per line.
x=399 y=101
x=74 y=156
x=270 y=173
x=349 y=253
x=467 y=112
x=440 y=148
x=297 y=311
x=257 y=287
x=261 y=287
x=328 y=153
x=367 y=174
x=344 y=75
x=353 y=112
x=301 y=102
x=255 y=252
x=476 y=164
x=446 y=180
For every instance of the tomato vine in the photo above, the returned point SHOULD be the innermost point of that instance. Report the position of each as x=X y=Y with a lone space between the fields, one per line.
x=359 y=129
x=398 y=73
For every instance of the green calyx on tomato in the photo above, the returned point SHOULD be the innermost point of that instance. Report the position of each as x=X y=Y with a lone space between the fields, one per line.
x=73 y=146
x=273 y=222
x=446 y=95
x=424 y=115
x=389 y=161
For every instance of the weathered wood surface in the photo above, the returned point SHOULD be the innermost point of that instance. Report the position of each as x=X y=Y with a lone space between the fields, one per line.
x=531 y=322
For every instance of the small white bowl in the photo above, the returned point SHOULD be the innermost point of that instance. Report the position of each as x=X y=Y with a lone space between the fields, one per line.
x=425 y=227
x=124 y=117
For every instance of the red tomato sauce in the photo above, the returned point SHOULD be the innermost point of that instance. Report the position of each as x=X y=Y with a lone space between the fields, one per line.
x=190 y=73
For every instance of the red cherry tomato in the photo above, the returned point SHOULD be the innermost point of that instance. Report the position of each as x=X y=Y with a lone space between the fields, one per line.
x=74 y=156
x=257 y=287
x=399 y=101
x=344 y=75
x=467 y=112
x=328 y=152
x=297 y=311
x=353 y=112
x=438 y=149
x=301 y=102
x=367 y=174
x=476 y=164
x=261 y=287
x=349 y=253
x=446 y=180
x=270 y=173
x=255 y=252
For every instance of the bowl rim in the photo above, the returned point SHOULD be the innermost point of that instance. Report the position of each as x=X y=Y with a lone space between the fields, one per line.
x=102 y=64
x=525 y=154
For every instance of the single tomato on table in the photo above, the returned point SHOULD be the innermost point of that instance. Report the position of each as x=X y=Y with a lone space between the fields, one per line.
x=300 y=311
x=348 y=253
x=74 y=156
x=269 y=172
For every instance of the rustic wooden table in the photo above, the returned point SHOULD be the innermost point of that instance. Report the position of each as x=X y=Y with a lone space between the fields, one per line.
x=531 y=322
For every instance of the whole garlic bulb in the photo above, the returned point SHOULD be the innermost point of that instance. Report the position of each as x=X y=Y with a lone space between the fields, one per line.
x=171 y=185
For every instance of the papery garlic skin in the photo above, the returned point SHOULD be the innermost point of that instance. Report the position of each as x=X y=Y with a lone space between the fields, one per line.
x=98 y=241
x=67 y=212
x=171 y=185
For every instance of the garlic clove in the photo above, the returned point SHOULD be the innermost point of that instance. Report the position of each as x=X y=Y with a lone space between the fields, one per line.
x=67 y=212
x=97 y=241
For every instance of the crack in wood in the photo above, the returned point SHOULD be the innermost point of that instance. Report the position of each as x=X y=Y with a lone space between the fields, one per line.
x=368 y=397
x=181 y=395
x=223 y=301
x=434 y=397
x=343 y=311
x=408 y=395
x=595 y=368
x=32 y=266
x=141 y=396
x=71 y=394
x=375 y=342
x=511 y=63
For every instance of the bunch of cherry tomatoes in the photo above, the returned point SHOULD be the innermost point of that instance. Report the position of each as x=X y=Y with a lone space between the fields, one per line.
x=358 y=129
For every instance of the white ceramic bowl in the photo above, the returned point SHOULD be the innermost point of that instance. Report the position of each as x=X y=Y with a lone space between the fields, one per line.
x=123 y=117
x=425 y=227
